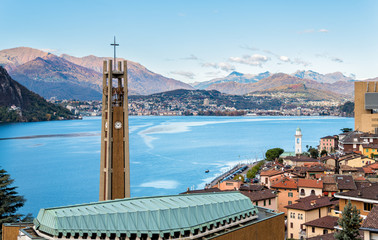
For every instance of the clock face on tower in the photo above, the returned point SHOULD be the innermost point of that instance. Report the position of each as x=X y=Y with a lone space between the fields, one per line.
x=117 y=125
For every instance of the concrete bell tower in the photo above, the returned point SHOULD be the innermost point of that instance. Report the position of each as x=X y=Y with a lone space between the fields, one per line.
x=298 y=141
x=115 y=166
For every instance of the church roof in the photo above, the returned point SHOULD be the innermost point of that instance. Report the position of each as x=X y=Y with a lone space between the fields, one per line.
x=147 y=215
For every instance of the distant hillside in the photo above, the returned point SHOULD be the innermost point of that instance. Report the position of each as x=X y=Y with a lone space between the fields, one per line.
x=141 y=80
x=52 y=76
x=299 y=91
x=281 y=79
x=69 y=77
x=19 y=104
x=232 y=77
x=323 y=78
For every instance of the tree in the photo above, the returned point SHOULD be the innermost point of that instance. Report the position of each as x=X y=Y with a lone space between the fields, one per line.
x=350 y=223
x=323 y=152
x=314 y=153
x=273 y=153
x=345 y=130
x=10 y=201
x=239 y=178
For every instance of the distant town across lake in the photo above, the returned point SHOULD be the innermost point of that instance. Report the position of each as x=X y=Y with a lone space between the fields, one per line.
x=167 y=154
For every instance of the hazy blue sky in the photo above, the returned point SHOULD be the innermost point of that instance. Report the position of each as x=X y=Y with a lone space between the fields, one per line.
x=198 y=40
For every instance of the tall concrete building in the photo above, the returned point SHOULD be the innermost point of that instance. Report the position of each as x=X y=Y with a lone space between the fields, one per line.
x=366 y=106
x=298 y=141
x=115 y=166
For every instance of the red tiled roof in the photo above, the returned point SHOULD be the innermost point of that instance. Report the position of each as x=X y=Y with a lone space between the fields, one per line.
x=286 y=183
x=360 y=179
x=310 y=203
x=371 y=221
x=271 y=173
x=310 y=183
x=259 y=195
x=374 y=166
x=368 y=170
x=327 y=137
x=328 y=222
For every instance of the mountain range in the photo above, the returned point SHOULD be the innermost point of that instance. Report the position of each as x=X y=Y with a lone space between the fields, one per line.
x=69 y=77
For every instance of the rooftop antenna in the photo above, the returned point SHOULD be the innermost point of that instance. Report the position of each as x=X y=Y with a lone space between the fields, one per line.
x=115 y=45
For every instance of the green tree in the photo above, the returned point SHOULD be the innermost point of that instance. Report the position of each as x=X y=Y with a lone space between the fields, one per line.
x=273 y=153
x=239 y=178
x=345 y=130
x=350 y=222
x=314 y=153
x=323 y=152
x=254 y=170
x=10 y=201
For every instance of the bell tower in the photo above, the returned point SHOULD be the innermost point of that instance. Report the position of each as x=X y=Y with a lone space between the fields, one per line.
x=298 y=141
x=115 y=166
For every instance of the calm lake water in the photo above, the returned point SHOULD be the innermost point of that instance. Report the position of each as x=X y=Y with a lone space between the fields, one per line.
x=168 y=154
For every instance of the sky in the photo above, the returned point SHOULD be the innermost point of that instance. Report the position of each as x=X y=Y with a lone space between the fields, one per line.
x=199 y=40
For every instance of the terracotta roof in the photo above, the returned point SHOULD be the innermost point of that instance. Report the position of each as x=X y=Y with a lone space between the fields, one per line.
x=288 y=183
x=252 y=187
x=348 y=168
x=328 y=179
x=301 y=159
x=374 y=166
x=365 y=184
x=328 y=222
x=270 y=173
x=326 y=158
x=329 y=236
x=371 y=221
x=330 y=187
x=351 y=155
x=345 y=182
x=368 y=170
x=259 y=195
x=360 y=179
x=364 y=193
x=311 y=203
x=327 y=137
x=310 y=183
x=317 y=168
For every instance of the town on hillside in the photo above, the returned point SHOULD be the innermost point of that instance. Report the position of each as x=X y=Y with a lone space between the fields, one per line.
x=317 y=188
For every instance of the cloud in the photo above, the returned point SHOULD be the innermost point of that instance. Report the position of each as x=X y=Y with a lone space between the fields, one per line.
x=222 y=65
x=191 y=57
x=184 y=74
x=252 y=60
x=301 y=62
x=164 y=184
x=335 y=59
x=49 y=50
x=284 y=59
x=323 y=30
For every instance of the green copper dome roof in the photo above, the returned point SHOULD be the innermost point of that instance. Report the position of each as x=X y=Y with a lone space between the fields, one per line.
x=298 y=129
x=148 y=215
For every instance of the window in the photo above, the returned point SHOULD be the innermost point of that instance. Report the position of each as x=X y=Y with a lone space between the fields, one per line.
x=293 y=215
x=367 y=150
x=257 y=203
x=291 y=226
x=270 y=202
x=313 y=229
x=325 y=231
x=312 y=192
x=290 y=202
x=302 y=192
x=291 y=235
x=266 y=180
x=290 y=194
x=368 y=207
x=264 y=202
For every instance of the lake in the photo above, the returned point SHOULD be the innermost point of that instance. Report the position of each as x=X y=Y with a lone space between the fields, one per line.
x=167 y=154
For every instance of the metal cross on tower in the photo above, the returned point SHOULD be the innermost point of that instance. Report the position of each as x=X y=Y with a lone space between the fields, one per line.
x=115 y=45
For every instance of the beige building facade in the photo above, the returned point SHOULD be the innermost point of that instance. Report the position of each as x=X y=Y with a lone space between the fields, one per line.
x=365 y=106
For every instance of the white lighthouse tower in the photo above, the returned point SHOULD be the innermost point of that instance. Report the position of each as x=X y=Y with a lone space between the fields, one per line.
x=298 y=141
